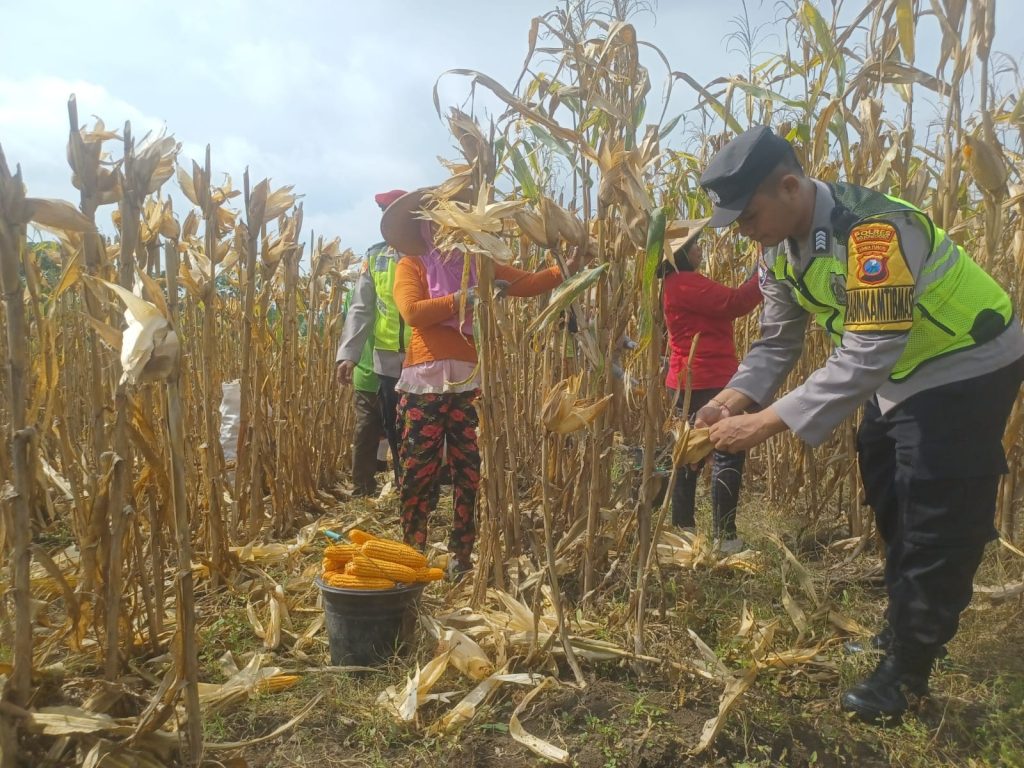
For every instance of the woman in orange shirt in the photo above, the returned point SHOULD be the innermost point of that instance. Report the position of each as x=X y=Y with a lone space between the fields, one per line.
x=439 y=381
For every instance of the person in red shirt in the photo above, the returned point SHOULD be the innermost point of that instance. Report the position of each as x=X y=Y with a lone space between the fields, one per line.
x=696 y=304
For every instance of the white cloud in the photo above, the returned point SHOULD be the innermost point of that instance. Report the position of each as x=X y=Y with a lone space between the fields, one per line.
x=34 y=126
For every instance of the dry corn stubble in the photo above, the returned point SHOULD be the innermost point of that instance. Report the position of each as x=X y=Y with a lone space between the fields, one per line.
x=224 y=274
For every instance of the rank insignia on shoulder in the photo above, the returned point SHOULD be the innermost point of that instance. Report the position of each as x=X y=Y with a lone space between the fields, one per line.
x=821 y=241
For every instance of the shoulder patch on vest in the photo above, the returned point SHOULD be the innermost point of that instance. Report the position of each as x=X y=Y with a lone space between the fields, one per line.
x=821 y=241
x=879 y=284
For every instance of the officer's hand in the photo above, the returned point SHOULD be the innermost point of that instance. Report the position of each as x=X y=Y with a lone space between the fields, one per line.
x=710 y=414
x=343 y=372
x=500 y=287
x=470 y=295
x=738 y=433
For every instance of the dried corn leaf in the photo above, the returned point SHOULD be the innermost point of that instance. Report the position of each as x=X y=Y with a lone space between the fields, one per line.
x=519 y=617
x=710 y=657
x=57 y=214
x=1000 y=593
x=465 y=710
x=306 y=638
x=66 y=720
x=403 y=704
x=746 y=621
x=734 y=689
x=109 y=336
x=468 y=657
x=847 y=624
x=107 y=754
x=215 y=697
x=277 y=202
x=796 y=613
x=490 y=246
x=1010 y=546
x=149 y=348
x=802 y=575
x=790 y=657
x=536 y=745
x=692 y=444
x=563 y=413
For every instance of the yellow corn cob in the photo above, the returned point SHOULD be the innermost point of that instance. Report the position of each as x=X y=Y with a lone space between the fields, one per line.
x=360 y=537
x=277 y=683
x=339 y=554
x=429 y=574
x=393 y=552
x=366 y=566
x=348 y=581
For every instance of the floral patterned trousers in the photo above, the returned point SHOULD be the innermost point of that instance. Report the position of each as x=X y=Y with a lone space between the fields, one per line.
x=427 y=422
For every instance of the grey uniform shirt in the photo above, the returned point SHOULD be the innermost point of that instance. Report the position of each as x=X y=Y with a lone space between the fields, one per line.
x=362 y=314
x=859 y=368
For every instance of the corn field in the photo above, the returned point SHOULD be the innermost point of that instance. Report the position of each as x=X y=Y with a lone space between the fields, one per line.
x=119 y=503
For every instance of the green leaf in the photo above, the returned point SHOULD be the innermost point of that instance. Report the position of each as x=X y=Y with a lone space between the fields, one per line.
x=669 y=127
x=766 y=95
x=551 y=142
x=565 y=295
x=822 y=32
x=521 y=170
x=905 y=27
x=714 y=103
x=655 y=248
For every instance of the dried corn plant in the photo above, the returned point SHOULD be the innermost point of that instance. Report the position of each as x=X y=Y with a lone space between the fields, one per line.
x=114 y=442
x=575 y=163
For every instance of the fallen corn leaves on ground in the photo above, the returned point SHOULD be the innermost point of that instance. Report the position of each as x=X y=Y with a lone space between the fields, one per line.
x=742 y=659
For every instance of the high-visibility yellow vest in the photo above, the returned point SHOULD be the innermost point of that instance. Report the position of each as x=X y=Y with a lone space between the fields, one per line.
x=863 y=283
x=389 y=330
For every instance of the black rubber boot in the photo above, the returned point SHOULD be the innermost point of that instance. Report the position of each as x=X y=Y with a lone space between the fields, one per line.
x=879 y=643
x=883 y=696
x=882 y=642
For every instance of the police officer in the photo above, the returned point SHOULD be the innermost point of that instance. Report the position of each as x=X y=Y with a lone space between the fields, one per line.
x=924 y=338
x=369 y=424
x=373 y=311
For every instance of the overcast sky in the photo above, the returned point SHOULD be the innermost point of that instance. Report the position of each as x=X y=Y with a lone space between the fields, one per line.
x=333 y=97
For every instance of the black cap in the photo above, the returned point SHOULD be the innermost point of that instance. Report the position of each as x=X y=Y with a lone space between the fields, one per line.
x=737 y=170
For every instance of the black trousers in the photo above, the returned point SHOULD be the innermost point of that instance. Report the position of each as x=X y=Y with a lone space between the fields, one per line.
x=388 y=399
x=726 y=477
x=931 y=470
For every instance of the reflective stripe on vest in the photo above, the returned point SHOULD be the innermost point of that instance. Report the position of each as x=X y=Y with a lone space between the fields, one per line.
x=961 y=307
x=389 y=331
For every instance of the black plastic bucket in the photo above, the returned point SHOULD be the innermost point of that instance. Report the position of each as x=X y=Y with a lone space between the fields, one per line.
x=368 y=626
